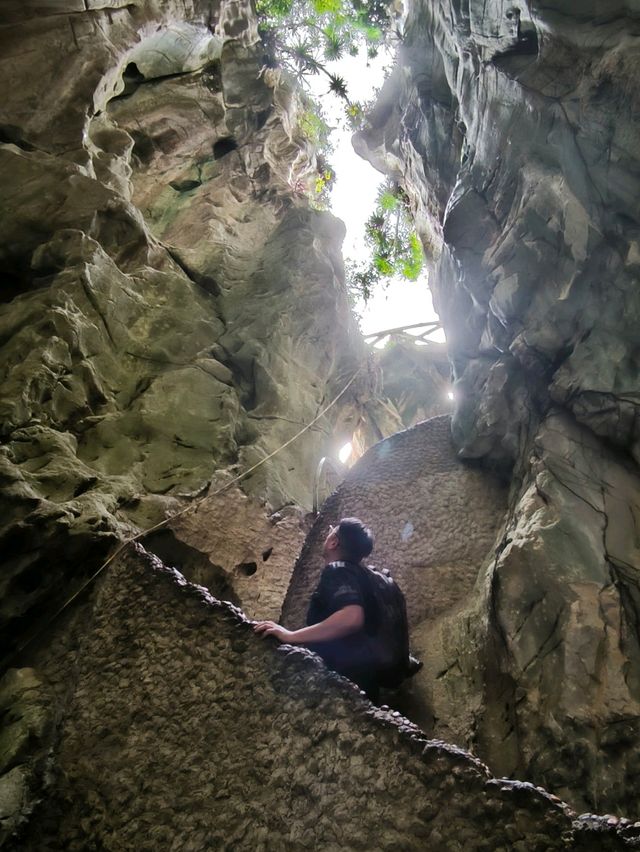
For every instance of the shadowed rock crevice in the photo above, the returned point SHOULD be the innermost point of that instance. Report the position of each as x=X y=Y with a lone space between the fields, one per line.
x=191 y=563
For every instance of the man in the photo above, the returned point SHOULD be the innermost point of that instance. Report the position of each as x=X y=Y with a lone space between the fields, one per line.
x=342 y=617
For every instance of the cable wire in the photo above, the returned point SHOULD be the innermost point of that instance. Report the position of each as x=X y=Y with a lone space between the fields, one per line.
x=191 y=507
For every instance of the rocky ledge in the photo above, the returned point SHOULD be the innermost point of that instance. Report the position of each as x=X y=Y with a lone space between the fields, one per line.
x=161 y=698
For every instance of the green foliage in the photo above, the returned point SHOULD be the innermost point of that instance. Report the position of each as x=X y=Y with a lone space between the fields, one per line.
x=324 y=182
x=361 y=280
x=414 y=261
x=327 y=7
x=338 y=86
x=355 y=115
x=322 y=188
x=314 y=127
x=273 y=9
x=395 y=247
x=303 y=36
x=388 y=200
x=357 y=111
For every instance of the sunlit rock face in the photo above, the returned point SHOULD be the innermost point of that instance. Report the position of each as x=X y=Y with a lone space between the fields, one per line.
x=413 y=383
x=173 y=313
x=514 y=129
x=416 y=378
x=174 y=308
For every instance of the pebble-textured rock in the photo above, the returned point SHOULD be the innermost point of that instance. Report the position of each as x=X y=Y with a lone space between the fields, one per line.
x=163 y=744
x=434 y=519
x=514 y=129
x=436 y=522
x=173 y=311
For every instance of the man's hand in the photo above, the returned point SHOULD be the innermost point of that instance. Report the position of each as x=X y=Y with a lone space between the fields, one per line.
x=270 y=628
x=344 y=622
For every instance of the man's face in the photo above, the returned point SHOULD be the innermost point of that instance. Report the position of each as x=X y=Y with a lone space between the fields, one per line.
x=331 y=542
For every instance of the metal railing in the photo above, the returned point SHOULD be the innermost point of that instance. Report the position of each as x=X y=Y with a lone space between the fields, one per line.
x=401 y=331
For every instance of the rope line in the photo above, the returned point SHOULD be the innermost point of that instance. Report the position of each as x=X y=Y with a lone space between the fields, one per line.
x=191 y=507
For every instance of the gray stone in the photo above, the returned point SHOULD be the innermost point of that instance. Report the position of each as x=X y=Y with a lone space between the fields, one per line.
x=12 y=800
x=514 y=132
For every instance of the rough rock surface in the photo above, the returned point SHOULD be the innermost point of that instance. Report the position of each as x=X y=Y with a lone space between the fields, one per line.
x=173 y=307
x=435 y=521
x=173 y=311
x=162 y=744
x=513 y=127
x=416 y=378
x=249 y=554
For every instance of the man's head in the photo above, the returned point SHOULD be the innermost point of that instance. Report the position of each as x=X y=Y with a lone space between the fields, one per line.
x=350 y=540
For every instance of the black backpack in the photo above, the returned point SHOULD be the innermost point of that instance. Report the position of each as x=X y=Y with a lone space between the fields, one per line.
x=390 y=635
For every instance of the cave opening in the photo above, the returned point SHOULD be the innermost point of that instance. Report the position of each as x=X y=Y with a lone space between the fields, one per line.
x=386 y=249
x=131 y=79
x=175 y=323
x=224 y=146
x=247 y=569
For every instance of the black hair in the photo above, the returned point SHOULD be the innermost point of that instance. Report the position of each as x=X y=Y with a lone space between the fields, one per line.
x=356 y=540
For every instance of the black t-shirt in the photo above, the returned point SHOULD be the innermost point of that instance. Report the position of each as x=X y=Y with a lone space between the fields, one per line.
x=338 y=588
x=341 y=585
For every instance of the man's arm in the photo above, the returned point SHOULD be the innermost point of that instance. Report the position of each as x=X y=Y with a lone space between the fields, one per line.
x=342 y=623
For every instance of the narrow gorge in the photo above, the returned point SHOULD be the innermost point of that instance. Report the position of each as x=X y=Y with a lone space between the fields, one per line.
x=179 y=352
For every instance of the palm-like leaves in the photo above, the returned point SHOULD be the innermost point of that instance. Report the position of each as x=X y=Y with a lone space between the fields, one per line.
x=303 y=57
x=308 y=34
x=395 y=247
x=333 y=45
x=338 y=86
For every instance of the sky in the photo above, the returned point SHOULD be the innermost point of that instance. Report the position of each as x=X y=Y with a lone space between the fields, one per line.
x=354 y=195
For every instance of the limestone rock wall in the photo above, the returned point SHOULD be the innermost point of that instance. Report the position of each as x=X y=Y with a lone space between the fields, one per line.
x=173 y=311
x=416 y=378
x=251 y=550
x=173 y=308
x=513 y=127
x=162 y=743
x=414 y=384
